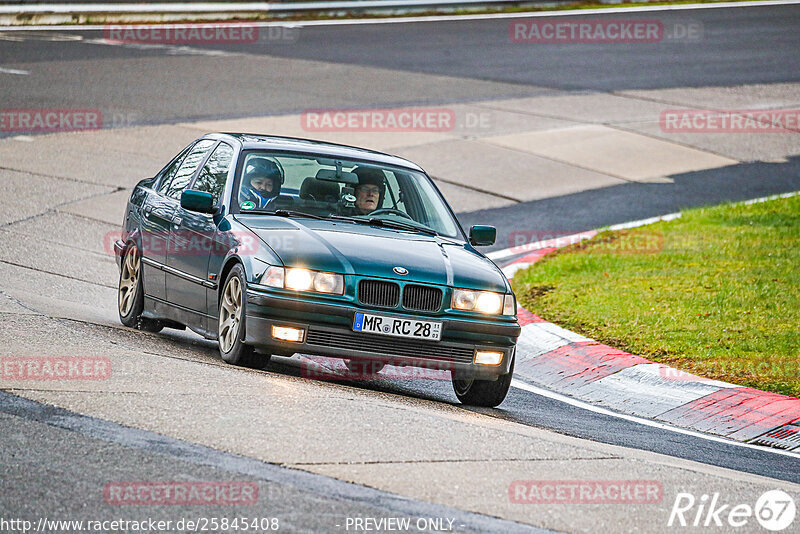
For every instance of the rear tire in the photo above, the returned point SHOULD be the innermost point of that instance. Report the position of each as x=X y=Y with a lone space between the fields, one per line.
x=231 y=329
x=130 y=293
x=484 y=393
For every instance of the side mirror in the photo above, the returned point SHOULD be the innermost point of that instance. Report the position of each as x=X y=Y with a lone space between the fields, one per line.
x=198 y=201
x=482 y=236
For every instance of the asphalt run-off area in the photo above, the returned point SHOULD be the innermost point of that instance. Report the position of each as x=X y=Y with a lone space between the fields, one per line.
x=544 y=125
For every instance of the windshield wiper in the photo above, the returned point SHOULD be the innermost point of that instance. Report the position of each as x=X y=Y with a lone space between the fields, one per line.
x=375 y=221
x=288 y=213
x=403 y=225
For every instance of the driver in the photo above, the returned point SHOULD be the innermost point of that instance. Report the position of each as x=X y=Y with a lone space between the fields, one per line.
x=261 y=181
x=370 y=190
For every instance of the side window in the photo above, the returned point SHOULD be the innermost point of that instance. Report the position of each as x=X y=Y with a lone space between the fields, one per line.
x=393 y=193
x=215 y=172
x=187 y=168
x=166 y=176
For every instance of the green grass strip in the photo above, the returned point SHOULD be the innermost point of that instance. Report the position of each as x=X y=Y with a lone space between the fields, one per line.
x=715 y=293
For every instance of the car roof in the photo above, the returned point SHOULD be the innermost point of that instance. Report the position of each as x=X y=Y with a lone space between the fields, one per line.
x=323 y=148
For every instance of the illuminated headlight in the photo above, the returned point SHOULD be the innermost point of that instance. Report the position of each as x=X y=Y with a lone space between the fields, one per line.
x=486 y=302
x=488 y=357
x=300 y=279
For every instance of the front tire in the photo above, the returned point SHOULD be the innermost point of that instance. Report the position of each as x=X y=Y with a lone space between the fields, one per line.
x=231 y=329
x=130 y=293
x=484 y=393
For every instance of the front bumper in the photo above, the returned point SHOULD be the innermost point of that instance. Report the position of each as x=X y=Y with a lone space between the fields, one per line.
x=328 y=332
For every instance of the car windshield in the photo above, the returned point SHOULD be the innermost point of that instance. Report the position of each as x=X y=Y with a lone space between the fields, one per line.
x=303 y=185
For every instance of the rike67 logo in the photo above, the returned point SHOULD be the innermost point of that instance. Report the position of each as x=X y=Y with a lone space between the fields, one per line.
x=774 y=510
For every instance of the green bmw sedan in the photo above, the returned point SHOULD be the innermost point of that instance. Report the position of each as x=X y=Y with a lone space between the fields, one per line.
x=277 y=246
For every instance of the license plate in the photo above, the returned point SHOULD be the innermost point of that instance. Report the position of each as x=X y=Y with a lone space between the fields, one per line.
x=397 y=326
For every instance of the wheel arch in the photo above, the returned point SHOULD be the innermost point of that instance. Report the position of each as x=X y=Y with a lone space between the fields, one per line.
x=223 y=274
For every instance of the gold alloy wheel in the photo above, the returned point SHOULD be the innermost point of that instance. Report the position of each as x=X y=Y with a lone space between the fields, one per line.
x=230 y=314
x=128 y=281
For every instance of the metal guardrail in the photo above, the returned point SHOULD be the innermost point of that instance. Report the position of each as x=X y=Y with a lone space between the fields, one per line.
x=65 y=13
x=225 y=7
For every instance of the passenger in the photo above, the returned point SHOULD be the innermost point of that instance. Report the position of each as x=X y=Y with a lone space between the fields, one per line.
x=370 y=190
x=261 y=182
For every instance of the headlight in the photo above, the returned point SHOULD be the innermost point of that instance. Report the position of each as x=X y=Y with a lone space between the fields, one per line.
x=273 y=277
x=487 y=302
x=509 y=305
x=300 y=279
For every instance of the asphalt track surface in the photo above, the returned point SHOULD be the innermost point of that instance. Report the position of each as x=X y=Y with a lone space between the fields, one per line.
x=741 y=46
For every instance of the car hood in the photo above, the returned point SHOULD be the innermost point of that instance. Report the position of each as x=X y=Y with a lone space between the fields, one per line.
x=344 y=247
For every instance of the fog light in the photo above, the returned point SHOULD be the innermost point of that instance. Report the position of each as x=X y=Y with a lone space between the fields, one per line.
x=287 y=333
x=488 y=357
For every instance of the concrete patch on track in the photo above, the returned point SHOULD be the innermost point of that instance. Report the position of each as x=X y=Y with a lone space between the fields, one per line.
x=754 y=96
x=767 y=147
x=585 y=108
x=514 y=174
x=613 y=152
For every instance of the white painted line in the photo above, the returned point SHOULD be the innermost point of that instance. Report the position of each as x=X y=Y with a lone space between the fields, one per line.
x=643 y=222
x=771 y=197
x=13 y=71
x=646 y=422
x=454 y=18
x=528 y=248
x=511 y=270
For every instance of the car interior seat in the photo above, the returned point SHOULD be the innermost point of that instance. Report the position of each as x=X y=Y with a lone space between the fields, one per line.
x=320 y=190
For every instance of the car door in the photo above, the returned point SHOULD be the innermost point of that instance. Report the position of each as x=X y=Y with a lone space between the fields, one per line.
x=165 y=204
x=156 y=217
x=193 y=239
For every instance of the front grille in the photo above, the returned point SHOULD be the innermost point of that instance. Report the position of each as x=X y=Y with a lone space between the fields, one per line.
x=422 y=298
x=392 y=346
x=379 y=293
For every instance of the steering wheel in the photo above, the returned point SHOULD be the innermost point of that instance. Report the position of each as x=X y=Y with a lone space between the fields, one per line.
x=391 y=211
